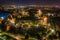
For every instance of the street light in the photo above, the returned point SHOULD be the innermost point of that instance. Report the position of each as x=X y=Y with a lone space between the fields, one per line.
x=2 y=17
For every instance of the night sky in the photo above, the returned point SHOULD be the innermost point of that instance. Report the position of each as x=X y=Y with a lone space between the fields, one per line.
x=30 y=2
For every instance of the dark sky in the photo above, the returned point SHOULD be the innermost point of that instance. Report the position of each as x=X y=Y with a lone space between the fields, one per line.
x=31 y=2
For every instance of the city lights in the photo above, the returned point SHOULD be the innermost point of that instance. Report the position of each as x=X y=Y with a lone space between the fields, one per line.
x=30 y=23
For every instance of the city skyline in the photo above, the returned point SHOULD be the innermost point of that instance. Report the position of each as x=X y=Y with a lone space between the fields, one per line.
x=31 y=2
